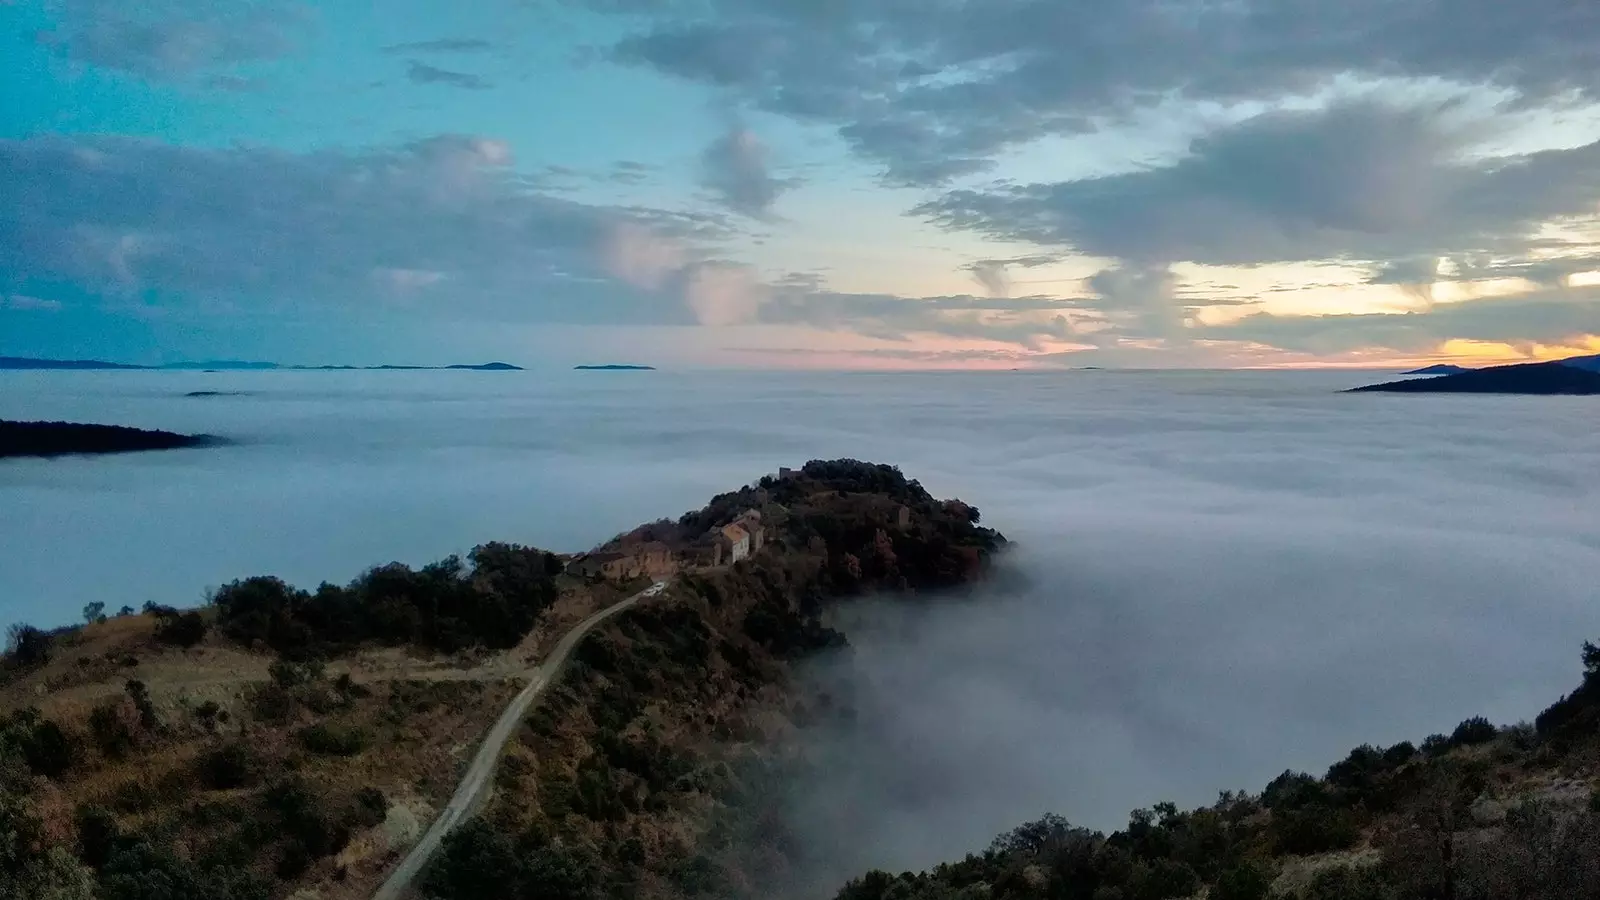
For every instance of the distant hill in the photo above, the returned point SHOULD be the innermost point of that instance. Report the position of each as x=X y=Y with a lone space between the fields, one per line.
x=1438 y=369
x=1526 y=378
x=24 y=362
x=230 y=365
x=612 y=367
x=1586 y=363
x=64 y=438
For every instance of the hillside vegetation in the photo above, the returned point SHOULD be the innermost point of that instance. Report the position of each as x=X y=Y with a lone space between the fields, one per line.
x=287 y=741
x=1483 y=813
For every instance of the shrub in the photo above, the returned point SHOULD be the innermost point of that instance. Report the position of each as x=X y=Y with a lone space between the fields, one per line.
x=139 y=870
x=229 y=766
x=476 y=860
x=291 y=674
x=1246 y=881
x=182 y=629
x=41 y=743
x=272 y=703
x=1162 y=879
x=1316 y=828
x=372 y=807
x=1292 y=790
x=208 y=714
x=27 y=646
x=1349 y=883
x=304 y=818
x=1476 y=730
x=333 y=740
x=1399 y=754
x=110 y=729
x=97 y=834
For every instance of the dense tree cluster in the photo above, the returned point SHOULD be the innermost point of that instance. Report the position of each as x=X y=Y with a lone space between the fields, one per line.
x=1578 y=712
x=444 y=606
x=60 y=438
x=27 y=647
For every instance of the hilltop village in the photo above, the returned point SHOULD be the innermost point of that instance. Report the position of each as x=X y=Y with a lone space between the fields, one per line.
x=665 y=548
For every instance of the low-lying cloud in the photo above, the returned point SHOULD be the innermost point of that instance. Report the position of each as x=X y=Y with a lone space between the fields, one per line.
x=1216 y=575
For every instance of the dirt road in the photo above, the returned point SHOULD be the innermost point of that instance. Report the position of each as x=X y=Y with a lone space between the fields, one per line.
x=475 y=785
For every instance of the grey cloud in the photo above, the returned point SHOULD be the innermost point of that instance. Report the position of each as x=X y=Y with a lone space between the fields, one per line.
x=234 y=84
x=630 y=172
x=175 y=38
x=442 y=45
x=422 y=73
x=1011 y=72
x=1544 y=317
x=1406 y=271
x=920 y=357
x=25 y=302
x=1364 y=181
x=1140 y=301
x=734 y=168
x=445 y=221
x=1024 y=321
x=995 y=276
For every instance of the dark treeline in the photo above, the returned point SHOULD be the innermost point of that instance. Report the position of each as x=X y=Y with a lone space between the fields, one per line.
x=62 y=438
x=445 y=606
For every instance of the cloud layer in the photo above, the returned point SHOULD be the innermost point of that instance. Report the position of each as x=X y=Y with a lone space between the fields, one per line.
x=170 y=39
x=1366 y=181
x=934 y=90
x=1216 y=575
x=135 y=218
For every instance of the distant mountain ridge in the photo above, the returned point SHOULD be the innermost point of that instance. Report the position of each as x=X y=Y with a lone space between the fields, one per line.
x=1587 y=363
x=1438 y=369
x=232 y=365
x=614 y=367
x=1526 y=378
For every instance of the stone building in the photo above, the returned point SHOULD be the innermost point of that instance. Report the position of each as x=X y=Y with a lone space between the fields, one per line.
x=654 y=559
x=737 y=540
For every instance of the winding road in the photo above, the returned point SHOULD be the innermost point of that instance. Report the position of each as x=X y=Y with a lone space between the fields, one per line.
x=477 y=781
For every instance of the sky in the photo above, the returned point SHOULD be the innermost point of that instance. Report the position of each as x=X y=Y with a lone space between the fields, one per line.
x=801 y=183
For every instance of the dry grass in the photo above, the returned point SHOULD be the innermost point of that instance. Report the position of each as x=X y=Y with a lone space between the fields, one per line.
x=423 y=717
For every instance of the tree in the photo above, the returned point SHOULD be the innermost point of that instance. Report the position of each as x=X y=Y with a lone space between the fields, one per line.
x=27 y=646
x=40 y=742
x=1246 y=881
x=94 y=613
x=1478 y=730
x=477 y=860
x=182 y=629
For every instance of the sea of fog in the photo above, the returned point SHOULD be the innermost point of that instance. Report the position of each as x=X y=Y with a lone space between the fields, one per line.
x=1216 y=574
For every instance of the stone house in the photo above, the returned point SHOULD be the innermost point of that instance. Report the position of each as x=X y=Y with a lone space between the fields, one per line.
x=654 y=559
x=737 y=540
